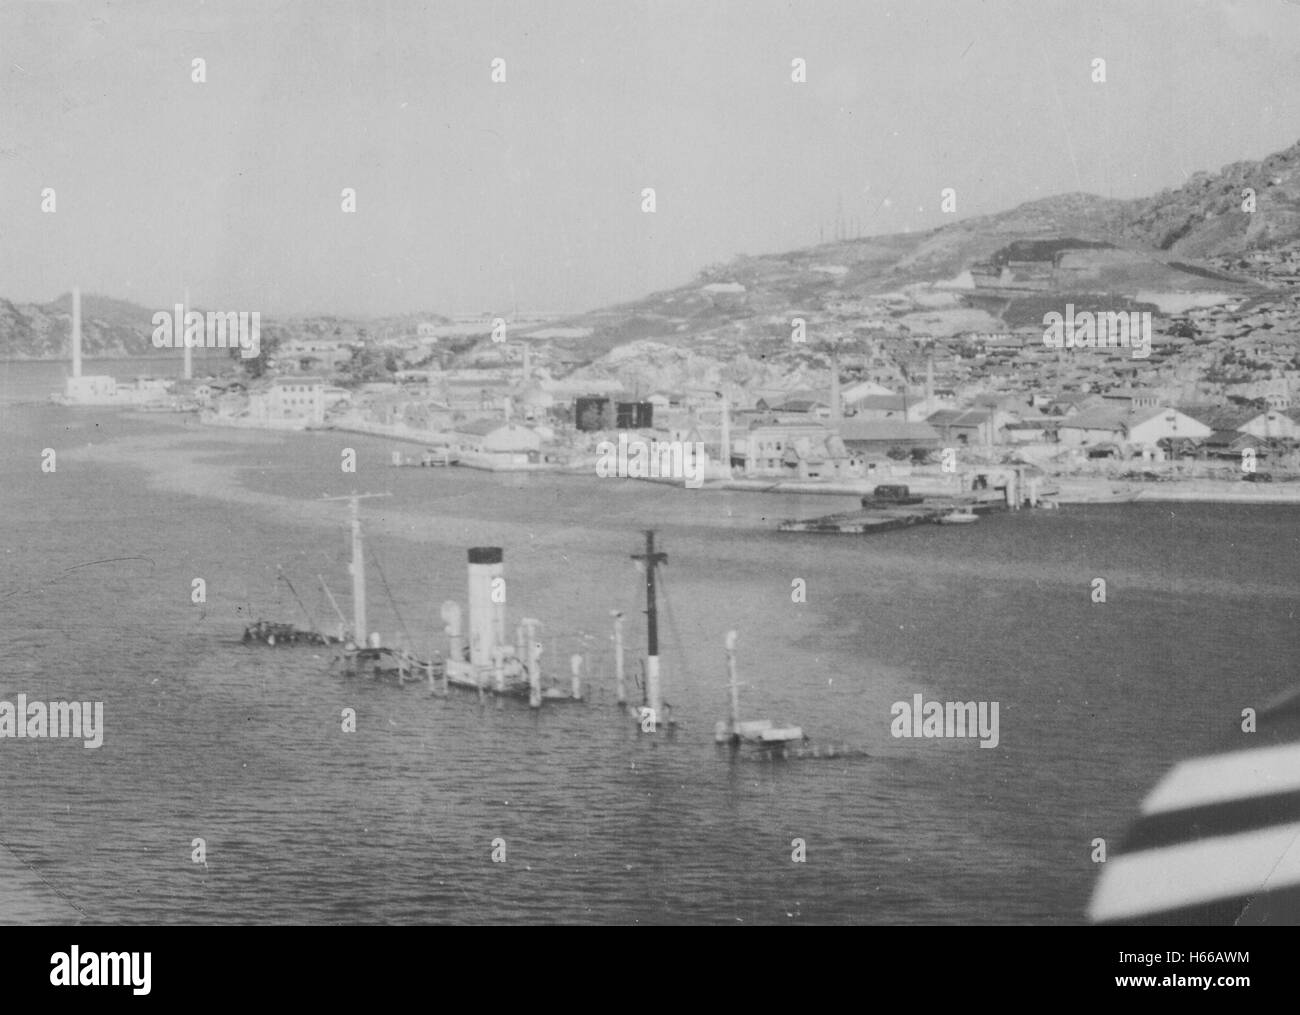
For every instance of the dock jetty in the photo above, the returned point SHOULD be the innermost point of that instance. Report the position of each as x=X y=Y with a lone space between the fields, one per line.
x=895 y=507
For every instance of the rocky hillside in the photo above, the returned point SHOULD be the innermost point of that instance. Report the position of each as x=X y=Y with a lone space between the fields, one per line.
x=903 y=284
x=115 y=328
x=1204 y=217
x=109 y=327
x=918 y=284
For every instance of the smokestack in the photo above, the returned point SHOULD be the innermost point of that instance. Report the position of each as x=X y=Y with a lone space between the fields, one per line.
x=76 y=331
x=487 y=613
x=189 y=354
x=836 y=410
x=726 y=436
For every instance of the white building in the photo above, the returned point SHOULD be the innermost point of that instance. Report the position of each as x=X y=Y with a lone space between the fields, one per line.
x=855 y=393
x=290 y=400
x=90 y=388
x=1139 y=430
x=1146 y=428
x=101 y=389
x=1272 y=424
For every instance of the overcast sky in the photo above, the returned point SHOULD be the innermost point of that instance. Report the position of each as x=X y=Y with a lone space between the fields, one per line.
x=482 y=196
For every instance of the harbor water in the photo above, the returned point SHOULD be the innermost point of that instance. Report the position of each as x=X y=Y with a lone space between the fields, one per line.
x=244 y=747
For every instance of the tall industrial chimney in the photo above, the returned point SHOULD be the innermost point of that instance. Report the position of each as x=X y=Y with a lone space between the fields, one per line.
x=837 y=411
x=726 y=435
x=76 y=331
x=487 y=613
x=189 y=354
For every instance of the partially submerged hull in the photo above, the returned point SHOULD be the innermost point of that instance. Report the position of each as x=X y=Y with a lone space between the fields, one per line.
x=280 y=635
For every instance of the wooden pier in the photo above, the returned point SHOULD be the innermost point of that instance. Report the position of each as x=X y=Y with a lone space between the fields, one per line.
x=886 y=519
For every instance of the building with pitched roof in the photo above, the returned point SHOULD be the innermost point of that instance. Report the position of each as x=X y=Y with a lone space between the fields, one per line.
x=876 y=437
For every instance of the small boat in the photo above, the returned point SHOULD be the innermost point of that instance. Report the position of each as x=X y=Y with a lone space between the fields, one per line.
x=958 y=518
x=890 y=495
x=439 y=456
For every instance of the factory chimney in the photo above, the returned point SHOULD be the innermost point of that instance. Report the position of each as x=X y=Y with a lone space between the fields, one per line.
x=76 y=331
x=189 y=353
x=726 y=435
x=837 y=411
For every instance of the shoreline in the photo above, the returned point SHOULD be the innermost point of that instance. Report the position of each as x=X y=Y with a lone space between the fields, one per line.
x=1099 y=490
x=1069 y=489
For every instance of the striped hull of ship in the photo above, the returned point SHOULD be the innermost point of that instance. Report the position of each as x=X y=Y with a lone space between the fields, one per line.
x=1217 y=842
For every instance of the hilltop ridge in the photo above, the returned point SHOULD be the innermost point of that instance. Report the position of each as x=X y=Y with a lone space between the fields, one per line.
x=1183 y=239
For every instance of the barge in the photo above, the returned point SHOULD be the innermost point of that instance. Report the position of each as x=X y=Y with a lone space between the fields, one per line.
x=942 y=510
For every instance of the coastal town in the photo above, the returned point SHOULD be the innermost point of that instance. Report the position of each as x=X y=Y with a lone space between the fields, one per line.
x=1109 y=349
x=792 y=463
x=896 y=386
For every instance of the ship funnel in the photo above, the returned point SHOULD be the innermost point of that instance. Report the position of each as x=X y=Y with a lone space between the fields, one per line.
x=487 y=604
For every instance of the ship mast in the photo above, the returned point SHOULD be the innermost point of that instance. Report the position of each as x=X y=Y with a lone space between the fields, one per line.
x=733 y=684
x=360 y=630
x=653 y=700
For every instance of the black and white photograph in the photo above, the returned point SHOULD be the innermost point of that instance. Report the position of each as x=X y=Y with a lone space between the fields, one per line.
x=650 y=463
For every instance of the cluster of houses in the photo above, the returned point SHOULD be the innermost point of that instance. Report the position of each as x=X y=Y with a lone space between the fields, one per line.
x=801 y=435
x=1004 y=393
x=799 y=438
x=862 y=431
x=1276 y=266
x=289 y=402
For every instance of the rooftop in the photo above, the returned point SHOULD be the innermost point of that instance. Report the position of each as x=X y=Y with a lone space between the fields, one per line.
x=886 y=430
x=959 y=417
x=768 y=422
x=878 y=402
x=283 y=381
x=483 y=427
